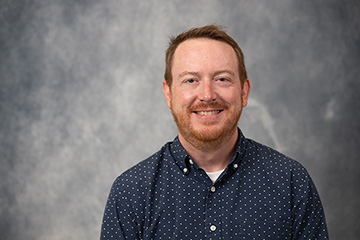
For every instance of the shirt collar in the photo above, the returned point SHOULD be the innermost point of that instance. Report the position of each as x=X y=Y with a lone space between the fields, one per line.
x=179 y=154
x=183 y=159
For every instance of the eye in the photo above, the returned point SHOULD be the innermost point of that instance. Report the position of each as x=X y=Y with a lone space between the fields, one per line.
x=223 y=80
x=191 y=80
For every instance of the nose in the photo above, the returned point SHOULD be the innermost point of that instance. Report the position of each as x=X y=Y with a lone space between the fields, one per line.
x=207 y=92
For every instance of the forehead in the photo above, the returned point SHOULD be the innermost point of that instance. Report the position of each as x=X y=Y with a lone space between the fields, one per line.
x=202 y=54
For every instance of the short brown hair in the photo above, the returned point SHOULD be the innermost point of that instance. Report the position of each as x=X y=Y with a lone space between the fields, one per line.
x=211 y=32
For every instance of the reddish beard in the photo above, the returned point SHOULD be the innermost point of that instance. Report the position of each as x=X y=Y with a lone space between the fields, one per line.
x=210 y=132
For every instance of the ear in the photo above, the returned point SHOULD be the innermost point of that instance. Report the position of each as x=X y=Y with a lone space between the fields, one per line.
x=245 y=92
x=167 y=93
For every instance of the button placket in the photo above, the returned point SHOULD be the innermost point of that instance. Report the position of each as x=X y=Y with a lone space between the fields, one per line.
x=213 y=213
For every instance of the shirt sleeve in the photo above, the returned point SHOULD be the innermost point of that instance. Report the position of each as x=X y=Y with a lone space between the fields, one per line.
x=307 y=212
x=118 y=222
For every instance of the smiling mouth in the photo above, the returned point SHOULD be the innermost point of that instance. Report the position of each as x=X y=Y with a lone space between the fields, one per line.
x=207 y=113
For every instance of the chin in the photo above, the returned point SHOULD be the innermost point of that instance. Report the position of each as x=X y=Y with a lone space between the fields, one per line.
x=208 y=134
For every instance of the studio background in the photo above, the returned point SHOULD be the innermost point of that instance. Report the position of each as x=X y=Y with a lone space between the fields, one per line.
x=81 y=100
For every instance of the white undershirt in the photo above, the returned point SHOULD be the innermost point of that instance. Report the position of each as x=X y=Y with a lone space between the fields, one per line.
x=214 y=175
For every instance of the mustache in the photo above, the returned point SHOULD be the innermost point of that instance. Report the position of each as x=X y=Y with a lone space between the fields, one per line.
x=205 y=106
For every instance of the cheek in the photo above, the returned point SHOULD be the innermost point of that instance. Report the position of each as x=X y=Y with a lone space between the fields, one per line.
x=234 y=99
x=183 y=99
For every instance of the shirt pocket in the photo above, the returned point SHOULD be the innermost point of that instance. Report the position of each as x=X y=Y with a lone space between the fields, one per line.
x=268 y=230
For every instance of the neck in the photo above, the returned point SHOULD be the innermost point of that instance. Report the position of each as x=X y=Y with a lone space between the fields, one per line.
x=211 y=156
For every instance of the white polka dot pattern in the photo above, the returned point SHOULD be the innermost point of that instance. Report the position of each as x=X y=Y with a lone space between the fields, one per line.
x=262 y=194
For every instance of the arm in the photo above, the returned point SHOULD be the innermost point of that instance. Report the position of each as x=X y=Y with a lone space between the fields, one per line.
x=307 y=212
x=117 y=221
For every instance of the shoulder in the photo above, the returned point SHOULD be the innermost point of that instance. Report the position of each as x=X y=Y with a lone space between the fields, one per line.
x=263 y=162
x=272 y=160
x=143 y=173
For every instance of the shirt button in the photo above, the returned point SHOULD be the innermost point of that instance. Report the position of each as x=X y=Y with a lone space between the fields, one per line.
x=191 y=162
x=212 y=189
x=185 y=170
x=236 y=166
x=212 y=228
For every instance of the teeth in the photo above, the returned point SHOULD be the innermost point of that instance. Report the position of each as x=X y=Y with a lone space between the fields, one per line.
x=208 y=113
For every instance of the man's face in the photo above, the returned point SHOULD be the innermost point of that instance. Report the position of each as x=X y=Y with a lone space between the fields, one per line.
x=206 y=97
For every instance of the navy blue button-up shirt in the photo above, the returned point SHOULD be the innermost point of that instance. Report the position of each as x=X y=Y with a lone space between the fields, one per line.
x=262 y=194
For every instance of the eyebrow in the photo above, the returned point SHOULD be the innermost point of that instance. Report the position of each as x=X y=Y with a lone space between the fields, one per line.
x=188 y=73
x=198 y=74
x=225 y=71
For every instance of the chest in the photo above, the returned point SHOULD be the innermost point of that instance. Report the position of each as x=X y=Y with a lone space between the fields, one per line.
x=240 y=207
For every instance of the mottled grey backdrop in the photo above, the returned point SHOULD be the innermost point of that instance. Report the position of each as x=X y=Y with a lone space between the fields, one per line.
x=81 y=100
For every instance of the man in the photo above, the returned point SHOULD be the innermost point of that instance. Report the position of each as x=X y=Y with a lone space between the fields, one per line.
x=211 y=182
